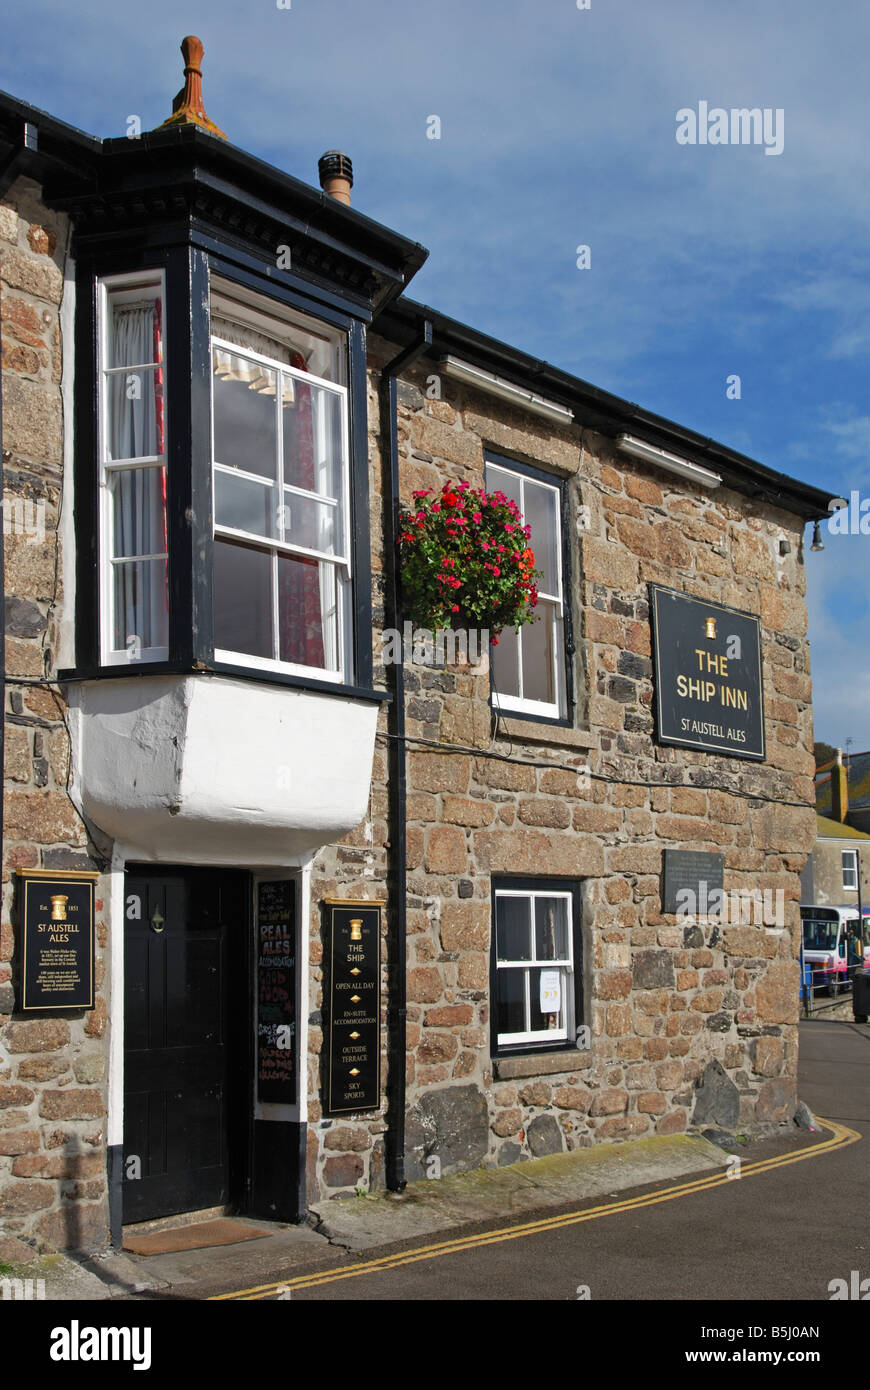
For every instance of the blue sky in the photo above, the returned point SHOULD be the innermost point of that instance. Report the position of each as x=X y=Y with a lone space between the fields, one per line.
x=558 y=129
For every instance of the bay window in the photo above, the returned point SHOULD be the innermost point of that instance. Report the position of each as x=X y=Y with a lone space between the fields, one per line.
x=225 y=504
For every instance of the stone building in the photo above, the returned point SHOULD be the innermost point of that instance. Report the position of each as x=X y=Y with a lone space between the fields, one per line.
x=215 y=390
x=840 y=860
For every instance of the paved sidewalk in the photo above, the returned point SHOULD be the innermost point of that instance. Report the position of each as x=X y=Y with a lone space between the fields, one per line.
x=341 y=1227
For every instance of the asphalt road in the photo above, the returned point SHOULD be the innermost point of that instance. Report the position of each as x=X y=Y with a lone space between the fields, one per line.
x=780 y=1234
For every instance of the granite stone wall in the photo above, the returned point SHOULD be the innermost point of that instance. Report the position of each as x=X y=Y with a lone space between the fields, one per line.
x=689 y=1024
x=53 y=1070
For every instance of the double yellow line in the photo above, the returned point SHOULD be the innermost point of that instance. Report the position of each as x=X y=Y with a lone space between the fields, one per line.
x=841 y=1136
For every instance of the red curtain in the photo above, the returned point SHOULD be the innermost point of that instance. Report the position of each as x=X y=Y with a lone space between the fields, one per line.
x=299 y=603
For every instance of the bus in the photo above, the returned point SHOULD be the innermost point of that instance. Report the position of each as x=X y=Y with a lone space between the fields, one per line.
x=825 y=947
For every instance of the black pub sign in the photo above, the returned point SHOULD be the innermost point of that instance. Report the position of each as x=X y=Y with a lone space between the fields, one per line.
x=707 y=658
x=57 y=957
x=353 y=1006
x=276 y=992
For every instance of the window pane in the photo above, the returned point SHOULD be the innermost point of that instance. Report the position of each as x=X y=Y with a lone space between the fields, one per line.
x=505 y=662
x=140 y=606
x=307 y=609
x=135 y=423
x=315 y=525
x=243 y=599
x=134 y=333
x=538 y=680
x=540 y=514
x=511 y=1003
x=138 y=511
x=499 y=480
x=513 y=928
x=245 y=504
x=550 y=1023
x=313 y=445
x=551 y=929
x=244 y=414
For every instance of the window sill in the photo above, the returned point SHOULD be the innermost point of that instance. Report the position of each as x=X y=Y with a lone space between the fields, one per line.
x=540 y=1063
x=533 y=731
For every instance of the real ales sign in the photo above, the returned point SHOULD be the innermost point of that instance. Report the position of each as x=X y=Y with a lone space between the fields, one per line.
x=708 y=675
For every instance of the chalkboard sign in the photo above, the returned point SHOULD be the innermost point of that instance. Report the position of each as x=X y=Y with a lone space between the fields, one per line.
x=57 y=914
x=708 y=675
x=353 y=1007
x=276 y=992
x=696 y=872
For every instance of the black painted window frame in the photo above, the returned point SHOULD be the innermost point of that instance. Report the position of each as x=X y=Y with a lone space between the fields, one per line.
x=187 y=267
x=537 y=885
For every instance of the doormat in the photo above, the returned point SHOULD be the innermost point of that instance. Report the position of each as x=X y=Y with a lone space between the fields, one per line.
x=198 y=1237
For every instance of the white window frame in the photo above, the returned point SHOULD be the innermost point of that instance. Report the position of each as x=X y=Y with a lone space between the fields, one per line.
x=276 y=546
x=137 y=283
x=566 y=967
x=514 y=704
x=850 y=870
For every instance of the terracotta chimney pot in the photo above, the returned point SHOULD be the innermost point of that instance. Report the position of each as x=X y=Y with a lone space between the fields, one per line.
x=336 y=175
x=187 y=107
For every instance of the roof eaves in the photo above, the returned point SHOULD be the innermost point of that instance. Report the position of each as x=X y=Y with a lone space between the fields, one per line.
x=605 y=412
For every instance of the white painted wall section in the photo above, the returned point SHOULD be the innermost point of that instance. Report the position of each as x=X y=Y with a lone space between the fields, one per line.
x=210 y=770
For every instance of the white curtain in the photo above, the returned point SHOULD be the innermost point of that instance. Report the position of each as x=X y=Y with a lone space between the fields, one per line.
x=138 y=494
x=132 y=413
x=231 y=368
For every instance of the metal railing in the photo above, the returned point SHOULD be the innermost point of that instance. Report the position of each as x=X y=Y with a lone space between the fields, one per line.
x=823 y=988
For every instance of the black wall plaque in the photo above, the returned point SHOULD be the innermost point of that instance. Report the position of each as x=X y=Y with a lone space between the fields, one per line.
x=697 y=870
x=353 y=1007
x=276 y=992
x=57 y=958
x=709 y=691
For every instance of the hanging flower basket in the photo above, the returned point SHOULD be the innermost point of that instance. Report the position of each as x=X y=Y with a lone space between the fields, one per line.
x=466 y=562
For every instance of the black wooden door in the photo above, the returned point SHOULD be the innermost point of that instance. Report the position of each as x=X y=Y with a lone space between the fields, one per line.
x=186 y=1026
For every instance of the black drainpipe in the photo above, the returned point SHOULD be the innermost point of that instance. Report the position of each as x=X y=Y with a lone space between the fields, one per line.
x=15 y=164
x=2 y=626
x=398 y=997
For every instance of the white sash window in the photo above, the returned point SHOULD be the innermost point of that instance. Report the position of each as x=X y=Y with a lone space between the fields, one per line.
x=528 y=666
x=132 y=470
x=280 y=456
x=534 y=966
